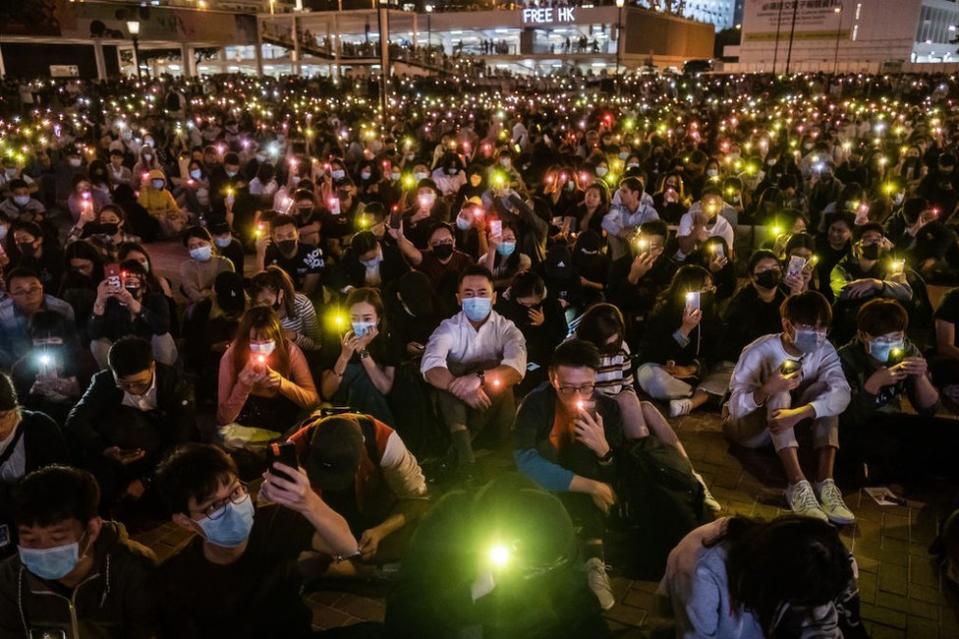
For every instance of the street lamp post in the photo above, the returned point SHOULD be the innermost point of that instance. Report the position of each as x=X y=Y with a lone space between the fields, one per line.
x=835 y=60
x=619 y=38
x=429 y=33
x=133 y=26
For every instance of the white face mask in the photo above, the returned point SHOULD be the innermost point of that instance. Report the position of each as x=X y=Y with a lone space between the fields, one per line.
x=263 y=348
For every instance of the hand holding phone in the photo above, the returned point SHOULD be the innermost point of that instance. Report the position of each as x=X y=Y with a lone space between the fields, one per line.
x=796 y=266
x=496 y=228
x=283 y=452
x=112 y=273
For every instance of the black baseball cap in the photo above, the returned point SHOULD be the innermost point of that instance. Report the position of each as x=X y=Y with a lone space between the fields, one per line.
x=228 y=287
x=336 y=444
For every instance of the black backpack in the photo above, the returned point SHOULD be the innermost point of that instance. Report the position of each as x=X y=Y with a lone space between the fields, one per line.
x=660 y=501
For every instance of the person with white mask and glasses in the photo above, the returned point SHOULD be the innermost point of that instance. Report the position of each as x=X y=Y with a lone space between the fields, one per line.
x=787 y=380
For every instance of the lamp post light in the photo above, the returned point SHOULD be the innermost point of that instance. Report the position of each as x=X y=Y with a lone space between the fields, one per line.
x=133 y=26
x=619 y=38
x=835 y=60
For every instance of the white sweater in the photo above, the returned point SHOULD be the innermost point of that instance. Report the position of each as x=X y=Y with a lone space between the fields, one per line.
x=763 y=357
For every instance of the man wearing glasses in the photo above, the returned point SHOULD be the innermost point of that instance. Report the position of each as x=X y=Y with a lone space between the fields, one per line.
x=26 y=299
x=566 y=437
x=237 y=577
x=130 y=416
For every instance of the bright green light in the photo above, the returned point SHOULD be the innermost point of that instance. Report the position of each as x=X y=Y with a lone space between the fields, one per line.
x=499 y=555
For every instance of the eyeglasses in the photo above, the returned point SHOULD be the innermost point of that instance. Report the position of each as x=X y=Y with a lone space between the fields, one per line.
x=23 y=292
x=134 y=386
x=582 y=389
x=218 y=508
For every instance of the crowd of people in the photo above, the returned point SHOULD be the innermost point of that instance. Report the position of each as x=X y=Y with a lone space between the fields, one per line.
x=446 y=346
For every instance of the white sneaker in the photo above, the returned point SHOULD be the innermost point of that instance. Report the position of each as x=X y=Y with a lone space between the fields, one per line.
x=599 y=582
x=708 y=500
x=832 y=504
x=802 y=500
x=680 y=407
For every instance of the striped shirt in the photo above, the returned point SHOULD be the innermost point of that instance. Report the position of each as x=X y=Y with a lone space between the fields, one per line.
x=615 y=372
x=304 y=324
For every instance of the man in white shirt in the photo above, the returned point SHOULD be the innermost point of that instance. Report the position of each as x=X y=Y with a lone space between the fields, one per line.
x=473 y=360
x=703 y=221
x=787 y=379
x=624 y=219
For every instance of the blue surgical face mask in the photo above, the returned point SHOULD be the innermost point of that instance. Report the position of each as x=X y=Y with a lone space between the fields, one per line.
x=223 y=242
x=881 y=347
x=506 y=248
x=233 y=527
x=419 y=175
x=360 y=329
x=202 y=253
x=477 y=309
x=157 y=184
x=196 y=174
x=601 y=171
x=623 y=155
x=230 y=174
x=462 y=223
x=338 y=174
x=51 y=563
x=21 y=200
x=809 y=341
x=365 y=175
x=395 y=176
x=263 y=348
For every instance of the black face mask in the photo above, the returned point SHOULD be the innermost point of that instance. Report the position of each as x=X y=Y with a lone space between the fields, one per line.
x=107 y=228
x=769 y=279
x=286 y=246
x=133 y=290
x=26 y=249
x=443 y=251
x=870 y=251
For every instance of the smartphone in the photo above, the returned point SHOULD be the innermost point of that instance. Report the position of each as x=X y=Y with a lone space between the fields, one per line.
x=796 y=265
x=896 y=356
x=586 y=406
x=692 y=301
x=334 y=204
x=283 y=452
x=496 y=228
x=112 y=273
x=717 y=249
x=396 y=220
x=789 y=366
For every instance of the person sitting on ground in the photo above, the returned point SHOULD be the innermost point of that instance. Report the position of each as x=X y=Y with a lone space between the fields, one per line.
x=227 y=245
x=159 y=202
x=368 y=262
x=75 y=575
x=541 y=320
x=740 y=578
x=513 y=570
x=274 y=288
x=199 y=272
x=473 y=360
x=25 y=298
x=37 y=248
x=789 y=379
x=442 y=263
x=411 y=311
x=211 y=328
x=703 y=221
x=132 y=308
x=304 y=263
x=132 y=414
x=566 y=438
x=754 y=309
x=28 y=440
x=362 y=374
x=52 y=376
x=363 y=470
x=264 y=379
x=679 y=343
x=882 y=367
x=243 y=552
x=626 y=216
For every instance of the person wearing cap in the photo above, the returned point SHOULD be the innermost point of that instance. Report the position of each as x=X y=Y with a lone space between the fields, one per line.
x=75 y=574
x=368 y=262
x=472 y=361
x=159 y=202
x=131 y=414
x=511 y=570
x=28 y=440
x=363 y=470
x=210 y=329
x=238 y=576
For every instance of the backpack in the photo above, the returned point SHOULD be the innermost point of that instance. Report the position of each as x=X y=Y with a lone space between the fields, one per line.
x=660 y=502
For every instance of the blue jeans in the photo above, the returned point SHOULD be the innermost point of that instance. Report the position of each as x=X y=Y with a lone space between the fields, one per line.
x=359 y=393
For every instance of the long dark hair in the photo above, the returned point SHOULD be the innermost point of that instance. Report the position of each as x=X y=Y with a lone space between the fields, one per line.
x=260 y=318
x=790 y=560
x=276 y=279
x=688 y=278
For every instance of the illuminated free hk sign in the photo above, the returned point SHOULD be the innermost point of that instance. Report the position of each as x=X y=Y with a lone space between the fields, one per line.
x=549 y=15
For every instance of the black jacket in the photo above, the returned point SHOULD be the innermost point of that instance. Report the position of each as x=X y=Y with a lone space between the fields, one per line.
x=542 y=339
x=638 y=299
x=85 y=427
x=350 y=272
x=154 y=319
x=115 y=601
